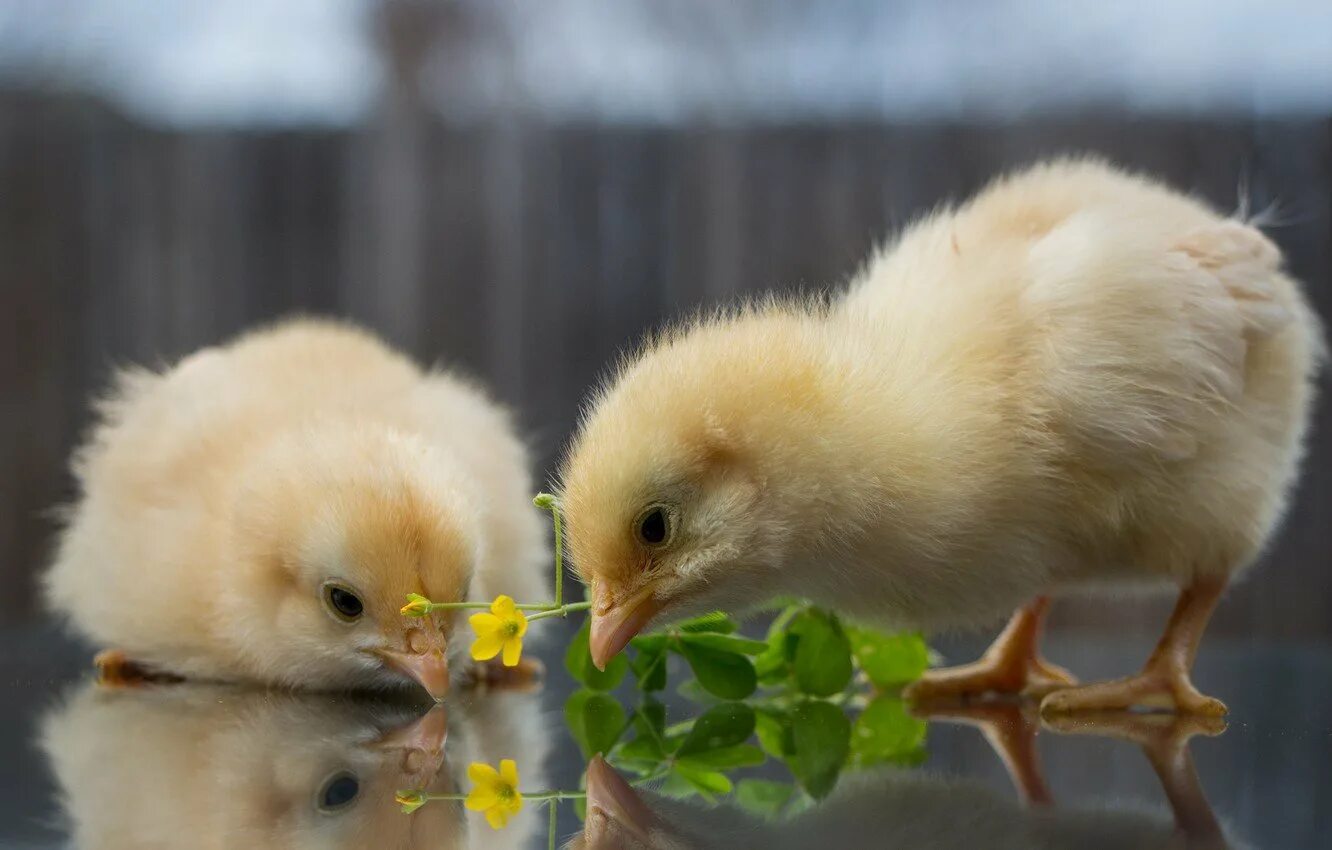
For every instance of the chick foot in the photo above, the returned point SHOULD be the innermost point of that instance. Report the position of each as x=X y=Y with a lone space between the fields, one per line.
x=115 y=669
x=1164 y=681
x=524 y=677
x=1168 y=689
x=1012 y=665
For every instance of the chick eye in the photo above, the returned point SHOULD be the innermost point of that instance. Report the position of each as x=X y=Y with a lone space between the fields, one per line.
x=344 y=604
x=654 y=526
x=338 y=792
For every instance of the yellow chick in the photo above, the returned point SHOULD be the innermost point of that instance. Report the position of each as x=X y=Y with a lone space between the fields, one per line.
x=208 y=766
x=261 y=511
x=1079 y=379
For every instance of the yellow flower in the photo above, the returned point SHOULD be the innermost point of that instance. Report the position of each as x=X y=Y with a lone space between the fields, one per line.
x=410 y=800
x=417 y=606
x=499 y=631
x=495 y=792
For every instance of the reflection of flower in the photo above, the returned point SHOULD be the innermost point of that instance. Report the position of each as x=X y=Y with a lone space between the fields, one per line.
x=495 y=792
x=417 y=606
x=501 y=630
x=410 y=801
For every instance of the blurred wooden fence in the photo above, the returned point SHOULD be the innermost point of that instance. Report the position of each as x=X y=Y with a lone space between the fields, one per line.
x=529 y=255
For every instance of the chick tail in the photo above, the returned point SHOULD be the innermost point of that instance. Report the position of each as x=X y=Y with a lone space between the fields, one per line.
x=1247 y=264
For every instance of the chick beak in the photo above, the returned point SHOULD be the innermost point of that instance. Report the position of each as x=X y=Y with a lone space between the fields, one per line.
x=615 y=624
x=422 y=745
x=424 y=660
x=609 y=797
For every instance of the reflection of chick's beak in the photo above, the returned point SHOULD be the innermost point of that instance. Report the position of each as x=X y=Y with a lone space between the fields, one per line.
x=615 y=624
x=610 y=797
x=424 y=660
x=422 y=743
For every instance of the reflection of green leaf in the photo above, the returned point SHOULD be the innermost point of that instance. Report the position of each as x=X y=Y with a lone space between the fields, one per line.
x=707 y=783
x=715 y=621
x=726 y=758
x=822 y=738
x=890 y=660
x=595 y=720
x=649 y=664
x=726 y=643
x=762 y=797
x=885 y=732
x=823 y=655
x=721 y=726
x=578 y=661
x=725 y=674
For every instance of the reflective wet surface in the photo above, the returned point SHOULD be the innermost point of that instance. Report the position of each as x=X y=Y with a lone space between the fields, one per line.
x=203 y=765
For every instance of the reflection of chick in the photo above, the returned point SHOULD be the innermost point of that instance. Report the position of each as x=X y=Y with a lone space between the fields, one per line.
x=897 y=809
x=1078 y=379
x=206 y=767
x=262 y=510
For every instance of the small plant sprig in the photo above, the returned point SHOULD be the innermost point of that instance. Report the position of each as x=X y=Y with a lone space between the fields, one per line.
x=500 y=631
x=818 y=696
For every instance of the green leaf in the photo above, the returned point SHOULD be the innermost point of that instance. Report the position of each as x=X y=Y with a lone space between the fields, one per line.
x=708 y=783
x=726 y=643
x=595 y=720
x=649 y=664
x=763 y=797
x=715 y=621
x=578 y=661
x=774 y=734
x=725 y=674
x=823 y=654
x=721 y=726
x=726 y=758
x=886 y=732
x=890 y=659
x=772 y=664
x=821 y=735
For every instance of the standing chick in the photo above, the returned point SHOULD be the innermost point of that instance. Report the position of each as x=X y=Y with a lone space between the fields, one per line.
x=1079 y=379
x=261 y=511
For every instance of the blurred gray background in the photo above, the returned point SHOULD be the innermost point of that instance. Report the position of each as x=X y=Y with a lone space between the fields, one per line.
x=522 y=189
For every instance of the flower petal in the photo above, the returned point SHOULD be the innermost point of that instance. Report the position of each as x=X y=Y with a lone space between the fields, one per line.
x=487 y=647
x=503 y=607
x=484 y=624
x=497 y=817
x=521 y=621
x=513 y=650
x=508 y=772
x=483 y=798
x=482 y=774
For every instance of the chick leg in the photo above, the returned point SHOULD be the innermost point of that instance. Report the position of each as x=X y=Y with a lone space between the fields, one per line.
x=1011 y=665
x=1164 y=681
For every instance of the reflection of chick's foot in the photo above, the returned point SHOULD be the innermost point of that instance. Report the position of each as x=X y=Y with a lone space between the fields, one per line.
x=1012 y=665
x=115 y=669
x=1010 y=730
x=1164 y=740
x=524 y=677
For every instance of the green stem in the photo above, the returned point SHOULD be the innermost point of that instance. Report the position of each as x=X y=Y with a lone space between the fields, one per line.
x=551 y=841
x=561 y=611
x=552 y=504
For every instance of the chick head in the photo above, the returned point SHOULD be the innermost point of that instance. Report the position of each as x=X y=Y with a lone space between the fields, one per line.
x=332 y=529
x=674 y=488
